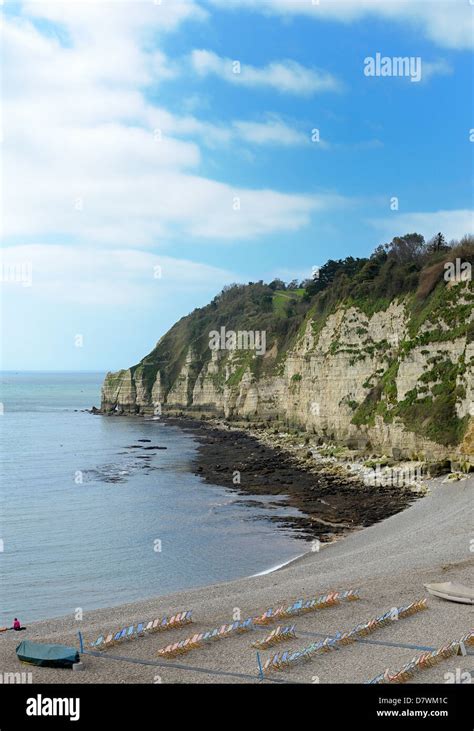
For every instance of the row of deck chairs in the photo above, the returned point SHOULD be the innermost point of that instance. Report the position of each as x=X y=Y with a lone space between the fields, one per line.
x=303 y=606
x=129 y=633
x=198 y=640
x=279 y=634
x=423 y=662
x=287 y=659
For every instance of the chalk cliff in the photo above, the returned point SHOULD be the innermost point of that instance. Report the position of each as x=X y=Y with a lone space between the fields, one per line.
x=391 y=374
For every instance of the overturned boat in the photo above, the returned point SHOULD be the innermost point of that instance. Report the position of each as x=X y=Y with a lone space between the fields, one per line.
x=45 y=655
x=452 y=592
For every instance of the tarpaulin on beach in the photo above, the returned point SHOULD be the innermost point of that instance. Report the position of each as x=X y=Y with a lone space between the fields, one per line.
x=54 y=656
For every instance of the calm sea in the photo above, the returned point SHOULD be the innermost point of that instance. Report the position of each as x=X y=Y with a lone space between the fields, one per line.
x=88 y=521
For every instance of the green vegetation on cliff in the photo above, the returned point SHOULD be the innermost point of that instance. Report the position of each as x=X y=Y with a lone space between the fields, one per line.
x=407 y=270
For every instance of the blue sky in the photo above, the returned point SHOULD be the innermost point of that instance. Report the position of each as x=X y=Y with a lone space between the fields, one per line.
x=142 y=174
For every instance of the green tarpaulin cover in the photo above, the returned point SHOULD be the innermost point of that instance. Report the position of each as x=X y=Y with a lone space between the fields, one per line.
x=54 y=656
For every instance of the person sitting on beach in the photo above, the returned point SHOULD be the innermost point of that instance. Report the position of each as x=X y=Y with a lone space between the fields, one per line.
x=16 y=624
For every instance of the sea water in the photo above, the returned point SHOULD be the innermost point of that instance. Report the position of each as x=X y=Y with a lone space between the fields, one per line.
x=88 y=521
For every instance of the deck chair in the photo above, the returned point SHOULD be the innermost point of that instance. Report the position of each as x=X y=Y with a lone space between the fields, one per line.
x=180 y=646
x=98 y=642
x=130 y=632
x=117 y=637
x=108 y=640
x=275 y=662
x=149 y=626
x=141 y=629
x=188 y=617
x=194 y=641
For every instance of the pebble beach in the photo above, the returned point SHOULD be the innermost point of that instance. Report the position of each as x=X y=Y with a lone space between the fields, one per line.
x=388 y=562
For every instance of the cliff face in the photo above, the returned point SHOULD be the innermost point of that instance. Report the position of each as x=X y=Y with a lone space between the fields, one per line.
x=398 y=380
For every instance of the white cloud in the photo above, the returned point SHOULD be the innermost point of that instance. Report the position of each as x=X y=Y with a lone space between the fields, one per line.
x=287 y=76
x=448 y=23
x=109 y=278
x=272 y=132
x=83 y=158
x=453 y=224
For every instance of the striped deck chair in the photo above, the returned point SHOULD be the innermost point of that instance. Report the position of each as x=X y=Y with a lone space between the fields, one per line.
x=175 y=648
x=265 y=618
x=183 y=646
x=107 y=642
x=273 y=662
x=98 y=642
x=149 y=626
x=130 y=632
x=194 y=641
x=117 y=637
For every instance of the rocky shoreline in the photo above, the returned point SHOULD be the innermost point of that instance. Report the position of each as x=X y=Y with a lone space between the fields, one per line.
x=331 y=497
